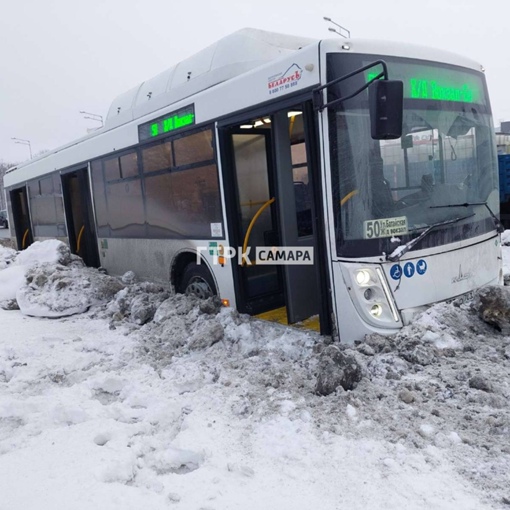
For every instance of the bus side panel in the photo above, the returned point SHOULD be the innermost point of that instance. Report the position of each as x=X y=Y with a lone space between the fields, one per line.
x=152 y=259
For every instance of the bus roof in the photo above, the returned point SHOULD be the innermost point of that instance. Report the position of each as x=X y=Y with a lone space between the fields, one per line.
x=237 y=54
x=231 y=56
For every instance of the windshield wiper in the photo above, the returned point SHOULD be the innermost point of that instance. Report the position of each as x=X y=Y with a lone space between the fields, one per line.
x=402 y=250
x=499 y=226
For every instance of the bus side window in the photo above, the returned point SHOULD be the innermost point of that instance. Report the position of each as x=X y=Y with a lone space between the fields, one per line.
x=181 y=187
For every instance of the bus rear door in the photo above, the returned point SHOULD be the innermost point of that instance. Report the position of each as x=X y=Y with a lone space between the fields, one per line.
x=21 y=217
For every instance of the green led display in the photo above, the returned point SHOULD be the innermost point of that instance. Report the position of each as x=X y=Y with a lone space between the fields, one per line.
x=168 y=123
x=171 y=123
x=430 y=89
x=436 y=83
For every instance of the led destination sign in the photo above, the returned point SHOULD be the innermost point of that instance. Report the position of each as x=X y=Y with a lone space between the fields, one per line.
x=430 y=89
x=436 y=83
x=168 y=123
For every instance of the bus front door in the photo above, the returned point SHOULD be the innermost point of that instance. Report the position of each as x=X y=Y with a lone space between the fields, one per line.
x=80 y=219
x=269 y=204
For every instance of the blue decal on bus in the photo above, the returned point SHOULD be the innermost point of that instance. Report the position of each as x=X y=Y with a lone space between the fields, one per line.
x=396 y=272
x=409 y=269
x=421 y=267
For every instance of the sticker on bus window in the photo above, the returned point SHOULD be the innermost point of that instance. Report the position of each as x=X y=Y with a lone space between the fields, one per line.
x=385 y=227
x=216 y=230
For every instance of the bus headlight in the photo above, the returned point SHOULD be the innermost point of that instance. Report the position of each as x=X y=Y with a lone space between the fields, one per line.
x=363 y=277
x=368 y=294
x=372 y=296
x=376 y=310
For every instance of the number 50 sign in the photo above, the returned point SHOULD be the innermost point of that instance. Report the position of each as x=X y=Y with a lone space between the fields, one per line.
x=385 y=227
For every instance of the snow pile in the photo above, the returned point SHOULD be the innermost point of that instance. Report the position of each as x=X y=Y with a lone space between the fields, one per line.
x=442 y=383
x=157 y=400
x=137 y=302
x=46 y=280
x=439 y=387
x=56 y=291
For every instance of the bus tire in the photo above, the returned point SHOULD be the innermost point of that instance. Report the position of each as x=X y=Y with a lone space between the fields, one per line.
x=197 y=281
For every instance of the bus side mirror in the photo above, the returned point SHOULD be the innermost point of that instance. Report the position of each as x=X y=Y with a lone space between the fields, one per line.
x=386 y=104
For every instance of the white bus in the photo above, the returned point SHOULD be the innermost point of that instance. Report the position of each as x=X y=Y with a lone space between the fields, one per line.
x=266 y=140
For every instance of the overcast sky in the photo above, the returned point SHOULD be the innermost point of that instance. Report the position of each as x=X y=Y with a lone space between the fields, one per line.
x=58 y=57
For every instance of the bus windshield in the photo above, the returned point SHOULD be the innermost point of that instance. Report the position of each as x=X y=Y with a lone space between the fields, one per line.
x=386 y=192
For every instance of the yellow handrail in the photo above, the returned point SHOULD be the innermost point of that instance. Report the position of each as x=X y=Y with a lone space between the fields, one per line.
x=348 y=196
x=24 y=238
x=79 y=239
x=250 y=226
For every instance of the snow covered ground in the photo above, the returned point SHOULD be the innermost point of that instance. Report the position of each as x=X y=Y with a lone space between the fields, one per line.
x=115 y=394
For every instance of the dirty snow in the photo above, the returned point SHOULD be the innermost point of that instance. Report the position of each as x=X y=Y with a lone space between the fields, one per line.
x=116 y=394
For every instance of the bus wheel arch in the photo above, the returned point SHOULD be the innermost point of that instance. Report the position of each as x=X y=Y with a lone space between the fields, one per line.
x=188 y=277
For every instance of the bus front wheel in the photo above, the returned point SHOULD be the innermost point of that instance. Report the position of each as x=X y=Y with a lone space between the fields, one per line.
x=197 y=281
